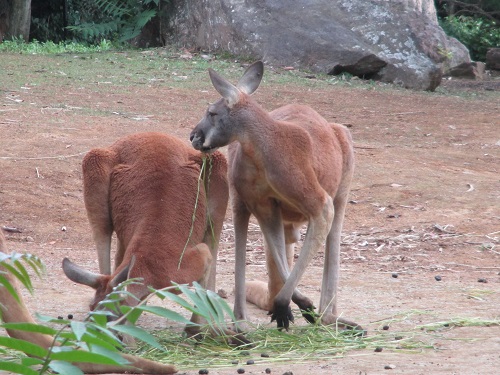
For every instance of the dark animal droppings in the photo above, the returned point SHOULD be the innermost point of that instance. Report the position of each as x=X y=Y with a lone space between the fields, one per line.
x=203 y=371
x=268 y=370
x=438 y=278
x=241 y=371
x=395 y=275
x=385 y=328
x=378 y=349
x=250 y=362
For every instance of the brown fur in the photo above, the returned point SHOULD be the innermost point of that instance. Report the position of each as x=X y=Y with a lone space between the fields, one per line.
x=144 y=188
x=13 y=311
x=288 y=167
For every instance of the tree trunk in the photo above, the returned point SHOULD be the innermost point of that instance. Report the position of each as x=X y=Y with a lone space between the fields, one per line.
x=19 y=19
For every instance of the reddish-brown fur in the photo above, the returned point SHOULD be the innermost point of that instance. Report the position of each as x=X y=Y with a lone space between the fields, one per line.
x=288 y=167
x=12 y=311
x=144 y=187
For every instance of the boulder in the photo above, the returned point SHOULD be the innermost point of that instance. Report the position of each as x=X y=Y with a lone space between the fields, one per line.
x=396 y=41
x=471 y=70
x=493 y=59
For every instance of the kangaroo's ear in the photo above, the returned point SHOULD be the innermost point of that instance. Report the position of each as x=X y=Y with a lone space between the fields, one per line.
x=251 y=78
x=123 y=274
x=81 y=276
x=227 y=90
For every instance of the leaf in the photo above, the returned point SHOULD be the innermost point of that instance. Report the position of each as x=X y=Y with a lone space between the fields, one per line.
x=18 y=275
x=17 y=368
x=73 y=355
x=131 y=313
x=65 y=368
x=104 y=332
x=200 y=306
x=113 y=354
x=212 y=311
x=177 y=299
x=140 y=334
x=10 y=288
x=79 y=329
x=23 y=346
x=100 y=339
x=30 y=361
x=166 y=313
x=30 y=327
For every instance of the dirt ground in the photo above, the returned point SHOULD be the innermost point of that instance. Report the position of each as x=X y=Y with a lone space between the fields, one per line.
x=425 y=202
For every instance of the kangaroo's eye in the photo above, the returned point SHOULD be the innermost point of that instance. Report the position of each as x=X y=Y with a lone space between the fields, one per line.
x=211 y=114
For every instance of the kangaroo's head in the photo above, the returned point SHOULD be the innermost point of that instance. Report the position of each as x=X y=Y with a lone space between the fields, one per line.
x=103 y=284
x=219 y=126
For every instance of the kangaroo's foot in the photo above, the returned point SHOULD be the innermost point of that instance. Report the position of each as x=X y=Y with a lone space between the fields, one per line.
x=343 y=324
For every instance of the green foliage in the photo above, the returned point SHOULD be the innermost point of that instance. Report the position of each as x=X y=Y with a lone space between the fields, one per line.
x=95 y=340
x=13 y=264
x=477 y=34
x=114 y=19
x=36 y=47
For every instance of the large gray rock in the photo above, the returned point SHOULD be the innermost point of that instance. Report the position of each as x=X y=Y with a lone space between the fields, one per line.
x=395 y=41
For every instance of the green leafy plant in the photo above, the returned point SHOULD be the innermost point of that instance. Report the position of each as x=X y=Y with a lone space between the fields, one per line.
x=96 y=339
x=476 y=33
x=121 y=20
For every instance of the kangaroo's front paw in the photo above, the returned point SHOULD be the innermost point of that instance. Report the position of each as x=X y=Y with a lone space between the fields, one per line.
x=307 y=309
x=283 y=315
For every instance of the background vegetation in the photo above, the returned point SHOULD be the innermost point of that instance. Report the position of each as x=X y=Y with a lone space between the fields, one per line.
x=476 y=23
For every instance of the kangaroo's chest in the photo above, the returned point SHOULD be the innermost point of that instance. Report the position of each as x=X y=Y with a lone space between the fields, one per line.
x=256 y=184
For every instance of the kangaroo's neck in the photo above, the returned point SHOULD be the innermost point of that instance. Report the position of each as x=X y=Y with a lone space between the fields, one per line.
x=255 y=128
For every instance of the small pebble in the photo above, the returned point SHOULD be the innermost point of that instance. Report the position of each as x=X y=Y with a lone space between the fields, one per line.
x=268 y=370
x=482 y=280
x=222 y=293
x=378 y=349
x=395 y=275
x=385 y=328
x=240 y=371
x=438 y=278
x=250 y=362
x=203 y=371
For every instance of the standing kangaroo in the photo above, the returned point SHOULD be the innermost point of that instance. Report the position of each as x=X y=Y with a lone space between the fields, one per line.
x=287 y=167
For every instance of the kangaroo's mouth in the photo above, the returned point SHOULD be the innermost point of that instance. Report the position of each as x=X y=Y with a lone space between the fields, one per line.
x=208 y=150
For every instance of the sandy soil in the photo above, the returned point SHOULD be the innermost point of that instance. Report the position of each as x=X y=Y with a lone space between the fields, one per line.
x=425 y=201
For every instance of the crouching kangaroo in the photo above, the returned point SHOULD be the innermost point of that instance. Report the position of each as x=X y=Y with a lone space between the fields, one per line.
x=145 y=188
x=14 y=311
x=287 y=167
